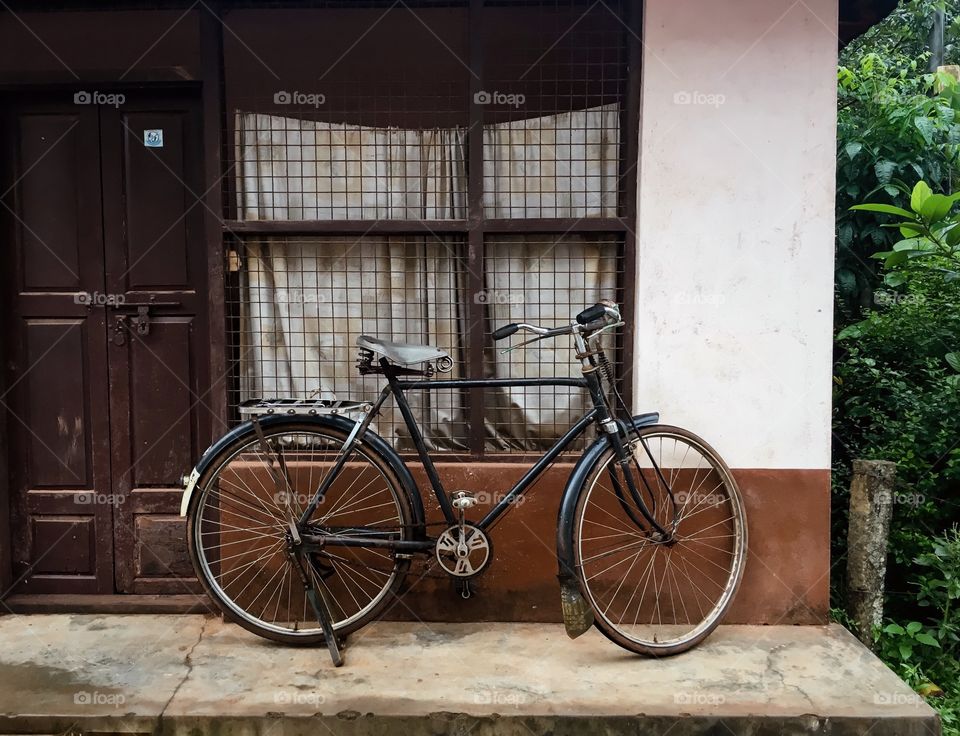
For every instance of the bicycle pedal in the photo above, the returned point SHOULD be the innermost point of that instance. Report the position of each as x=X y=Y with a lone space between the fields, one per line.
x=462 y=500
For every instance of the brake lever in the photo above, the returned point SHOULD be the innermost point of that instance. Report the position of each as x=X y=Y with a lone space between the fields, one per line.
x=607 y=328
x=525 y=342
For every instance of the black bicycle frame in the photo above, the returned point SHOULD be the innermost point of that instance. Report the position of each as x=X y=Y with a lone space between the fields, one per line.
x=398 y=387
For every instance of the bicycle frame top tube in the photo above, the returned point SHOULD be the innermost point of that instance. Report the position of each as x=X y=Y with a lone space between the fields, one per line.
x=398 y=387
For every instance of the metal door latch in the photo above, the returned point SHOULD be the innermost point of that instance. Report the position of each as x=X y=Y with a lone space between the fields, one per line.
x=142 y=320
x=120 y=330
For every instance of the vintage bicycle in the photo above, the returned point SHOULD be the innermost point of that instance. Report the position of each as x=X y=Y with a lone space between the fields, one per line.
x=303 y=522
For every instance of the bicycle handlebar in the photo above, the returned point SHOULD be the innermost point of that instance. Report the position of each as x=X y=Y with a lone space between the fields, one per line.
x=602 y=314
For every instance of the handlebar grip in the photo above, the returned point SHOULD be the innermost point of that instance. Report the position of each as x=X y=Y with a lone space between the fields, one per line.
x=505 y=331
x=591 y=314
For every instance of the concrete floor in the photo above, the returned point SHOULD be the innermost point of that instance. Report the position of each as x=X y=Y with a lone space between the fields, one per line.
x=193 y=675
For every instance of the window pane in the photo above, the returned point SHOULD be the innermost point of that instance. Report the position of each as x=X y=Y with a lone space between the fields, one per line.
x=292 y=169
x=555 y=166
x=303 y=301
x=554 y=81
x=347 y=110
x=543 y=280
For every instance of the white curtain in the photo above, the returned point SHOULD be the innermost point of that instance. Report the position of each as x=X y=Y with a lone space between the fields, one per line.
x=304 y=301
x=293 y=169
x=556 y=166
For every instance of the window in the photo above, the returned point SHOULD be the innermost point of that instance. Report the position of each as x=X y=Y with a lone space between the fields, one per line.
x=425 y=173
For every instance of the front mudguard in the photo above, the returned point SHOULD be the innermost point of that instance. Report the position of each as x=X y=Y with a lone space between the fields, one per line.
x=571 y=494
x=370 y=439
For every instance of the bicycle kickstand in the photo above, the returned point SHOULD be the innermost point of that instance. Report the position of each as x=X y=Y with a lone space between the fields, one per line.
x=323 y=616
x=322 y=612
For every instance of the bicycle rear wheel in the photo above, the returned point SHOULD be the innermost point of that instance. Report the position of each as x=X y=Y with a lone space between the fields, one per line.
x=238 y=531
x=651 y=597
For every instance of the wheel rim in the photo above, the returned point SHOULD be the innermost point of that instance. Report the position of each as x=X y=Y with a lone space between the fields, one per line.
x=655 y=595
x=240 y=532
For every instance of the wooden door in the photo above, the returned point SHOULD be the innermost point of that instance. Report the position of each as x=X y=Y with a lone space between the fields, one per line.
x=106 y=347
x=159 y=349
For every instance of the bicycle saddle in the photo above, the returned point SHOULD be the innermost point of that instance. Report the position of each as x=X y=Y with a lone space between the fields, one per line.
x=401 y=353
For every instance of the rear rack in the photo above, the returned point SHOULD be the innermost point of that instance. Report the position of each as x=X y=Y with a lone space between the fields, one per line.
x=310 y=407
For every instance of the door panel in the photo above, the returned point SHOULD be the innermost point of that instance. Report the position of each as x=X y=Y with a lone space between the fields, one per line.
x=155 y=259
x=105 y=319
x=55 y=406
x=162 y=412
x=56 y=396
x=51 y=161
x=158 y=204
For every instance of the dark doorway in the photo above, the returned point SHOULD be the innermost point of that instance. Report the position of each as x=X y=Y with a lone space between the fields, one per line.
x=105 y=342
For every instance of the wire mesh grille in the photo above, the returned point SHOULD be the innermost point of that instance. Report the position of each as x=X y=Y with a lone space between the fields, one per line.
x=302 y=302
x=346 y=115
x=545 y=280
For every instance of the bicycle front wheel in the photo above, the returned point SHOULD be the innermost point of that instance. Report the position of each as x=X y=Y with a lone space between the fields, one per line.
x=238 y=531
x=653 y=597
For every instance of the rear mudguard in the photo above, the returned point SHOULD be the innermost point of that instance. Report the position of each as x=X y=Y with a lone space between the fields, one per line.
x=371 y=440
x=571 y=494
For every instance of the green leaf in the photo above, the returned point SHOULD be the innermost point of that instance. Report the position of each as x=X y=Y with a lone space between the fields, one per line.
x=855 y=331
x=953 y=360
x=887 y=209
x=953 y=236
x=926 y=128
x=845 y=234
x=893 y=629
x=936 y=207
x=913 y=627
x=896 y=258
x=906 y=651
x=921 y=192
x=907 y=244
x=852 y=149
x=910 y=229
x=884 y=170
x=894 y=279
x=925 y=638
x=846 y=281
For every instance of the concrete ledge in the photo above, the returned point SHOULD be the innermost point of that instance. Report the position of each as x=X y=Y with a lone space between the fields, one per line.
x=191 y=675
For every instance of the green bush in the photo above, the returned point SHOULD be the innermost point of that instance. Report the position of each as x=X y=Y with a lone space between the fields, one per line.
x=897 y=398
